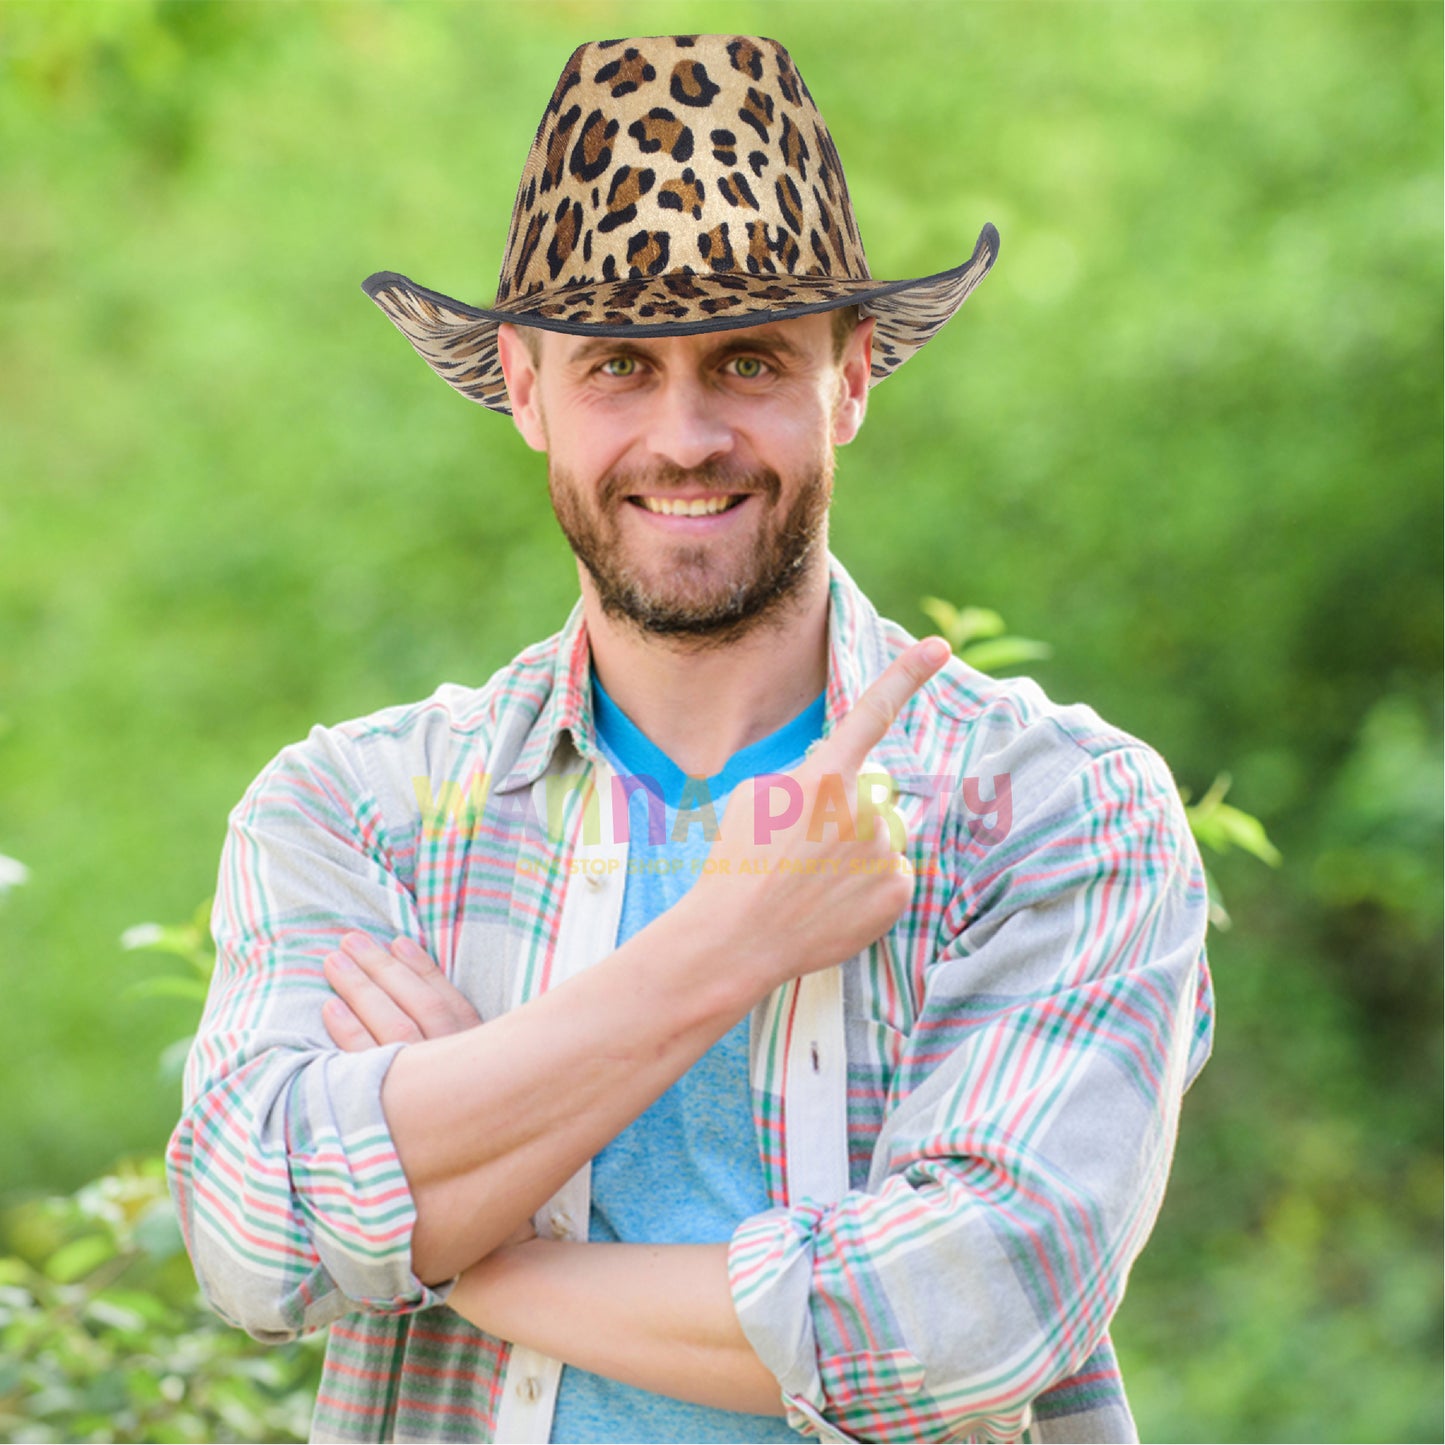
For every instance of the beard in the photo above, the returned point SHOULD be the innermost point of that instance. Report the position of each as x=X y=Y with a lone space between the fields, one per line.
x=698 y=592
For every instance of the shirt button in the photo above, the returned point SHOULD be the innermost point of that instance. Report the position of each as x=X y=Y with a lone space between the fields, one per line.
x=595 y=881
x=561 y=1225
x=530 y=1389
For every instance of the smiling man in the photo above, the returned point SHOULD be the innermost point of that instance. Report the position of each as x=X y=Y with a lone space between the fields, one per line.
x=735 y=1020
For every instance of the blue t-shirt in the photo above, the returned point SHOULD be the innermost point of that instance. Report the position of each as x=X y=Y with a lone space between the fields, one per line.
x=702 y=1127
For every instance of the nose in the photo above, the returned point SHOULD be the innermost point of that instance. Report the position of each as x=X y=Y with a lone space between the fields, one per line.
x=686 y=425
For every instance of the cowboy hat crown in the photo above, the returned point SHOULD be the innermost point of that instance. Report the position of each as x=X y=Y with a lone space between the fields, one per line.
x=677 y=184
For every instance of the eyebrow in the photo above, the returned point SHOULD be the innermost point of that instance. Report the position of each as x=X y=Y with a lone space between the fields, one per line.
x=775 y=346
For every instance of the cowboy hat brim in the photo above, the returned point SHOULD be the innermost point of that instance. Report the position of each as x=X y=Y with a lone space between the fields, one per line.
x=459 y=342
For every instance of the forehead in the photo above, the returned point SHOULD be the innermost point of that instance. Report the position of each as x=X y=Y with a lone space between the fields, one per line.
x=801 y=336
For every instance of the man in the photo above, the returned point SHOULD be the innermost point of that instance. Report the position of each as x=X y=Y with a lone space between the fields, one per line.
x=734 y=1020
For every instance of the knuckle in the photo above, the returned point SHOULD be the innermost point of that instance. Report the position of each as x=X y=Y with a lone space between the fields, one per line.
x=461 y=1014
x=433 y=1017
x=879 y=705
x=912 y=672
x=368 y=955
x=357 y=1039
x=345 y=1029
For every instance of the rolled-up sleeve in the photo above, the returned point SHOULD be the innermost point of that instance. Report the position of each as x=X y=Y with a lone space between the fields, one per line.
x=290 y=1193
x=1031 y=1118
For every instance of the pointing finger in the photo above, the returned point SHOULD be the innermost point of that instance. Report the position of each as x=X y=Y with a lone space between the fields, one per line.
x=872 y=715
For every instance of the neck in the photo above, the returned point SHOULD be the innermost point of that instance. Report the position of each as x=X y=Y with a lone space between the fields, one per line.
x=701 y=703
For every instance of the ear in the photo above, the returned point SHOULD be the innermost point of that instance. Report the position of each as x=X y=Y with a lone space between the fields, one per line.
x=853 y=373
x=520 y=373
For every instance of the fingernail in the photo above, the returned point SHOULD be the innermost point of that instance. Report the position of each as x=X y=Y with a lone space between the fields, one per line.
x=341 y=962
x=938 y=649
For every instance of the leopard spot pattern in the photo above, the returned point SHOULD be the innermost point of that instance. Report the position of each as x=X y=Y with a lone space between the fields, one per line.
x=677 y=179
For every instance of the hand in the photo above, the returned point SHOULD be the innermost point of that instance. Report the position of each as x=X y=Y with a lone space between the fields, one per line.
x=385 y=996
x=817 y=891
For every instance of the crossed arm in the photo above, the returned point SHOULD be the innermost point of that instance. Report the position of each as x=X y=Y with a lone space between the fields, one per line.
x=658 y=1317
x=1030 y=1118
x=486 y=1135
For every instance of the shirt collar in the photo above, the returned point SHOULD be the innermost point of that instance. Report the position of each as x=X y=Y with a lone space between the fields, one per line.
x=861 y=644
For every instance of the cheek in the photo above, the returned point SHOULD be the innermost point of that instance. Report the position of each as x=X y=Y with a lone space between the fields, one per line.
x=581 y=435
x=597 y=426
x=800 y=429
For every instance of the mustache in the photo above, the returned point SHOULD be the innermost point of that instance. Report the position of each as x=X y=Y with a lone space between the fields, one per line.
x=659 y=481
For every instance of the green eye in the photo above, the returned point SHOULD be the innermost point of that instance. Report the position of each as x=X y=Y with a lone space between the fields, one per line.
x=620 y=366
x=749 y=367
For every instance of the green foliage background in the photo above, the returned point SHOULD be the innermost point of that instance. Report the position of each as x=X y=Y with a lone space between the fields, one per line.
x=1188 y=432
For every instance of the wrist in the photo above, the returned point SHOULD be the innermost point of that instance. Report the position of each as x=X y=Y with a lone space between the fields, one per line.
x=729 y=966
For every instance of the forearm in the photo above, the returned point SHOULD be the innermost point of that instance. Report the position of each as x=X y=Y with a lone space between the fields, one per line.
x=490 y=1122
x=659 y=1317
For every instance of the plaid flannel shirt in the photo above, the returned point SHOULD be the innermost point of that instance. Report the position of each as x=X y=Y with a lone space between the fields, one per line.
x=965 y=1130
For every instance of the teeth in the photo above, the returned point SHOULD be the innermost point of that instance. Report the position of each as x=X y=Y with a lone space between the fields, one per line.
x=696 y=507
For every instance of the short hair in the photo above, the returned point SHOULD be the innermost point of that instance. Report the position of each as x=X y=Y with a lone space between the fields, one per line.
x=845 y=323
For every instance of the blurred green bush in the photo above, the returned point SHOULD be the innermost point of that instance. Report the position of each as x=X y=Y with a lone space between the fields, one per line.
x=103 y=1336
x=103 y=1333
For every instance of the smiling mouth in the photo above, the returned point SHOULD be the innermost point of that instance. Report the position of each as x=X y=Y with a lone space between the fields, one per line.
x=690 y=506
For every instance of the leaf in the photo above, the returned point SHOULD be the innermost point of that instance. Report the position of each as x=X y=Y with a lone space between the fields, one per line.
x=1002 y=652
x=1220 y=826
x=52 y=1400
x=1245 y=831
x=107 y=1312
x=12 y=1272
x=1218 y=914
x=181 y=940
x=978 y=622
x=168 y=986
x=152 y=1310
x=944 y=614
x=172 y=1064
x=201 y=918
x=962 y=625
x=106 y=1394
x=157 y=1233
x=77 y=1259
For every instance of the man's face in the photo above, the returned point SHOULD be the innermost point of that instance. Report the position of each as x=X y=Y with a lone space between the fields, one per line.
x=692 y=475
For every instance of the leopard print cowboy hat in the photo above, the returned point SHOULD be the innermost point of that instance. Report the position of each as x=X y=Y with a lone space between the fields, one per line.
x=676 y=184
